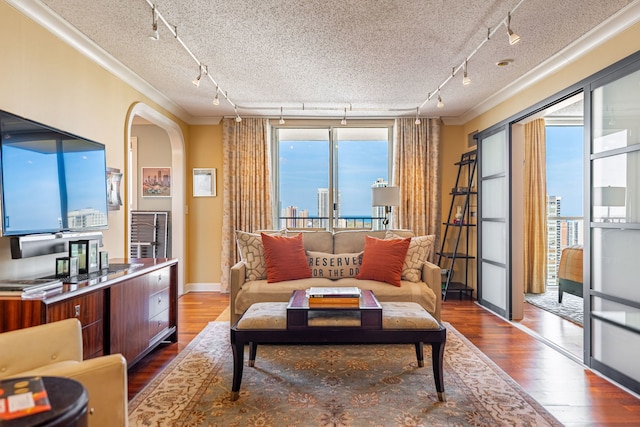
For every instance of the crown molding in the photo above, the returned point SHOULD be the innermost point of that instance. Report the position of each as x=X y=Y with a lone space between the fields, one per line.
x=45 y=17
x=625 y=18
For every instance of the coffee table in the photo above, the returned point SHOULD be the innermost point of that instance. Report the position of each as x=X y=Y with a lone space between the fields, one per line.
x=384 y=323
x=367 y=316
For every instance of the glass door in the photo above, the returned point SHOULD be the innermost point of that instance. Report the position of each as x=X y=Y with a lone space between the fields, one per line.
x=493 y=222
x=613 y=297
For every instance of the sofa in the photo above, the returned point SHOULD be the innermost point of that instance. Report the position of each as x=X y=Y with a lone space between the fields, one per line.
x=55 y=349
x=570 y=272
x=334 y=259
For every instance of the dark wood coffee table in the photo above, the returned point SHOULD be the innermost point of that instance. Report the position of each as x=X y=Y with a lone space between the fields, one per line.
x=369 y=313
x=288 y=323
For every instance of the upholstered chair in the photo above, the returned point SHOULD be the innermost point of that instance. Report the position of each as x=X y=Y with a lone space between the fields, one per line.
x=55 y=349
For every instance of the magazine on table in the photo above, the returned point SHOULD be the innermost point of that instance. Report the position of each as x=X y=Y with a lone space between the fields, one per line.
x=334 y=292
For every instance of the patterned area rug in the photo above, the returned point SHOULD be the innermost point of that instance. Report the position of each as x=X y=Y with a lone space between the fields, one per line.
x=359 y=385
x=572 y=307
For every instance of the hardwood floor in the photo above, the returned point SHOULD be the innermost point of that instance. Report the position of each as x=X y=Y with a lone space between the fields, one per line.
x=567 y=389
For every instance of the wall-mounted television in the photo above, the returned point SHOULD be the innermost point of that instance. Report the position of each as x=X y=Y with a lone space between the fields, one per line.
x=51 y=181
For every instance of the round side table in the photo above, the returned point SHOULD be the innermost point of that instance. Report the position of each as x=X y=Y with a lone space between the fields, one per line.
x=69 y=401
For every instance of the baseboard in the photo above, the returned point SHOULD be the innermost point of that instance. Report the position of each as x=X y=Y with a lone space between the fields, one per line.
x=202 y=287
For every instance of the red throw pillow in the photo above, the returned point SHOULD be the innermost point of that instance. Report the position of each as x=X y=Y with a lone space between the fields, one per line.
x=285 y=258
x=383 y=259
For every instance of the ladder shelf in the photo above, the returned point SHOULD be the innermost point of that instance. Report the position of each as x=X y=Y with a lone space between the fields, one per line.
x=457 y=227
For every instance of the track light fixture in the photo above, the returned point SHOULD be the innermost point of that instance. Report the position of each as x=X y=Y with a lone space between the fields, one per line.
x=344 y=118
x=216 y=100
x=440 y=103
x=281 y=121
x=154 y=26
x=417 y=115
x=196 y=81
x=238 y=118
x=513 y=37
x=465 y=78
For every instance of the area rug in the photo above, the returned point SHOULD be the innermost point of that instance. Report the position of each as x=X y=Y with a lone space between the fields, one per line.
x=327 y=385
x=572 y=307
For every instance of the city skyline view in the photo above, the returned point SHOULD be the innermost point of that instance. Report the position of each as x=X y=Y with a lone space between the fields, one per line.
x=304 y=169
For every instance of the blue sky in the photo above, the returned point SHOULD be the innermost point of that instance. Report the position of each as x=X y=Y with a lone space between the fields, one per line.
x=565 y=167
x=304 y=167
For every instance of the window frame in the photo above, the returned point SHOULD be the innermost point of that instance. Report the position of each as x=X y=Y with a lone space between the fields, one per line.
x=333 y=129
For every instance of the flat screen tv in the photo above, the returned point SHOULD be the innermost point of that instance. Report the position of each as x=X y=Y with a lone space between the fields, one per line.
x=51 y=181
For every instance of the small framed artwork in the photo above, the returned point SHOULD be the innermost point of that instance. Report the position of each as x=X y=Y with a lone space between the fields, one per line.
x=204 y=182
x=156 y=182
x=114 y=178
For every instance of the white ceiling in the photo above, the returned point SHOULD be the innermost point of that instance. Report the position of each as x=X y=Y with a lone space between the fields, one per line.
x=314 y=58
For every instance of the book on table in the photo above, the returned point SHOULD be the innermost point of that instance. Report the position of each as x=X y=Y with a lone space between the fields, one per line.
x=334 y=292
x=20 y=397
x=334 y=302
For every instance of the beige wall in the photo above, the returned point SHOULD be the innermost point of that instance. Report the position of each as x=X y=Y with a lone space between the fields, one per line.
x=45 y=80
x=153 y=150
x=204 y=217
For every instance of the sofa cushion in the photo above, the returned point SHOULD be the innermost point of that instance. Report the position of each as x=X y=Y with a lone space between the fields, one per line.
x=334 y=266
x=285 y=258
x=350 y=241
x=383 y=259
x=418 y=252
x=252 y=253
x=318 y=241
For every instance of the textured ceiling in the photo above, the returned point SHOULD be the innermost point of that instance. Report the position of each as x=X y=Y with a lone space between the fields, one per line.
x=314 y=58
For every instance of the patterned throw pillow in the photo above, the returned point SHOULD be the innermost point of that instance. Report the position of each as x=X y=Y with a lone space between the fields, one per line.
x=382 y=259
x=334 y=266
x=252 y=253
x=285 y=257
x=418 y=252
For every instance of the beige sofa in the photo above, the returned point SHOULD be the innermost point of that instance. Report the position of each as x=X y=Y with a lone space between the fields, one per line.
x=426 y=292
x=55 y=349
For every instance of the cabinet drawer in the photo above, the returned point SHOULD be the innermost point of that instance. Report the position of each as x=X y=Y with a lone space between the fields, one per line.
x=86 y=308
x=158 y=302
x=158 y=324
x=93 y=340
x=159 y=280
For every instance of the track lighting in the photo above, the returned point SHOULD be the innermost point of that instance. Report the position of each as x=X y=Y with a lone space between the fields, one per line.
x=154 y=26
x=281 y=121
x=513 y=37
x=238 y=118
x=465 y=78
x=216 y=100
x=196 y=81
x=440 y=103
x=344 y=118
x=417 y=115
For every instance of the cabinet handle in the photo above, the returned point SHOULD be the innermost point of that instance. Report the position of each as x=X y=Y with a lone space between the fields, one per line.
x=159 y=300
x=76 y=310
x=159 y=278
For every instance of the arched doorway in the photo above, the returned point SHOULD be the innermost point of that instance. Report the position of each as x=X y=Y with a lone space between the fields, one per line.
x=176 y=140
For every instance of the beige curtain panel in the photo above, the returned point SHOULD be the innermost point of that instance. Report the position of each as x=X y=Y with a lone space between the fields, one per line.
x=247 y=185
x=535 y=207
x=417 y=173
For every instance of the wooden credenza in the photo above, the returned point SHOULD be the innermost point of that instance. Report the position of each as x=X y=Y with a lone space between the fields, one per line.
x=128 y=312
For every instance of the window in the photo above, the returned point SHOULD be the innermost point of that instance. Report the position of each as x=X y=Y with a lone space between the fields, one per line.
x=324 y=176
x=565 y=225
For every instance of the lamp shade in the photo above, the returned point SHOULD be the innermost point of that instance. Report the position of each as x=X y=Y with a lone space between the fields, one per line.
x=385 y=196
x=609 y=196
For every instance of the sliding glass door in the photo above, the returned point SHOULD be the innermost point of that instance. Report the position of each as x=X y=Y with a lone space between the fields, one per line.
x=493 y=222
x=614 y=294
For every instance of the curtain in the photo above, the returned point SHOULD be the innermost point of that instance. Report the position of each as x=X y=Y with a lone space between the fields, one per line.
x=247 y=185
x=416 y=171
x=535 y=207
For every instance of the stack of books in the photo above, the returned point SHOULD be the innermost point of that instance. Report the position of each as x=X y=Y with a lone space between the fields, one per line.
x=334 y=297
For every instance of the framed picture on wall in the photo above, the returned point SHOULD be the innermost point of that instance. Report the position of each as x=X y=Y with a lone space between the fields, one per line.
x=156 y=182
x=204 y=182
x=114 y=199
